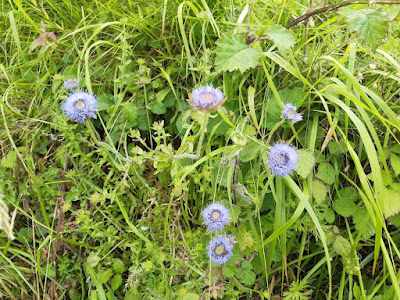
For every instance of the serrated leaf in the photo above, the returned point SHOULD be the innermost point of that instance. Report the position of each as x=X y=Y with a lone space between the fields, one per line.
x=246 y=276
x=391 y=202
x=326 y=173
x=329 y=216
x=105 y=101
x=395 y=162
x=229 y=271
x=363 y=223
x=306 y=163
x=131 y=112
x=158 y=108
x=10 y=160
x=249 y=151
x=342 y=246
x=319 y=191
x=234 y=54
x=281 y=36
x=344 y=203
x=369 y=24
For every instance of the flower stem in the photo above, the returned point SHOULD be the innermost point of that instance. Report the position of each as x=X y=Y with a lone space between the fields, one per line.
x=273 y=130
x=203 y=130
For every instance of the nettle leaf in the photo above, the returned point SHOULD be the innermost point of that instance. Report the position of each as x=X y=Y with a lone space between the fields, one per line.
x=306 y=163
x=281 y=36
x=369 y=24
x=234 y=54
x=319 y=191
x=391 y=202
x=326 y=173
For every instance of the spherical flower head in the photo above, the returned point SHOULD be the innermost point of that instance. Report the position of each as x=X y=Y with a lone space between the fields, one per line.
x=206 y=98
x=215 y=216
x=289 y=113
x=71 y=84
x=219 y=250
x=80 y=106
x=283 y=159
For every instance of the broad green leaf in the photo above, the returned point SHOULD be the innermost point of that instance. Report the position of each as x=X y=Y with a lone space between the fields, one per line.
x=131 y=112
x=250 y=151
x=395 y=162
x=329 y=216
x=116 y=282
x=229 y=271
x=391 y=204
x=306 y=162
x=319 y=191
x=158 y=108
x=363 y=223
x=342 y=246
x=10 y=160
x=344 y=203
x=234 y=54
x=105 y=101
x=369 y=24
x=106 y=275
x=326 y=173
x=281 y=36
x=246 y=276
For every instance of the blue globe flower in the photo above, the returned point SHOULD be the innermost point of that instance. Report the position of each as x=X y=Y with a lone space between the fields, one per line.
x=289 y=113
x=71 y=84
x=215 y=216
x=206 y=98
x=219 y=250
x=283 y=159
x=80 y=106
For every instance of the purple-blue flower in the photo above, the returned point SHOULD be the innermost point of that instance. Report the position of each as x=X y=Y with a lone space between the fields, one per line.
x=289 y=113
x=80 y=106
x=206 y=98
x=71 y=84
x=282 y=159
x=219 y=250
x=215 y=216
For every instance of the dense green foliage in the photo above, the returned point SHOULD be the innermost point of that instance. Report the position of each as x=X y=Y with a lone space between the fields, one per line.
x=111 y=209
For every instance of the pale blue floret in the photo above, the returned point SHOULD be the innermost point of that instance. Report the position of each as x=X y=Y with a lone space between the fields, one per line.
x=71 y=84
x=206 y=96
x=283 y=159
x=289 y=113
x=215 y=216
x=219 y=250
x=80 y=106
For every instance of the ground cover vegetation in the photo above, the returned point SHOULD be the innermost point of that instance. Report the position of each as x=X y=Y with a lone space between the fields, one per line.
x=209 y=149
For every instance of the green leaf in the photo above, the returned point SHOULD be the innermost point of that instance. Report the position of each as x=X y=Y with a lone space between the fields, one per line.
x=234 y=54
x=246 y=275
x=329 y=216
x=281 y=36
x=326 y=173
x=105 y=276
x=249 y=151
x=369 y=24
x=105 y=101
x=363 y=223
x=158 y=108
x=342 y=246
x=306 y=163
x=116 y=282
x=344 y=203
x=395 y=162
x=10 y=160
x=319 y=191
x=391 y=205
x=118 y=265
x=131 y=112
x=229 y=271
